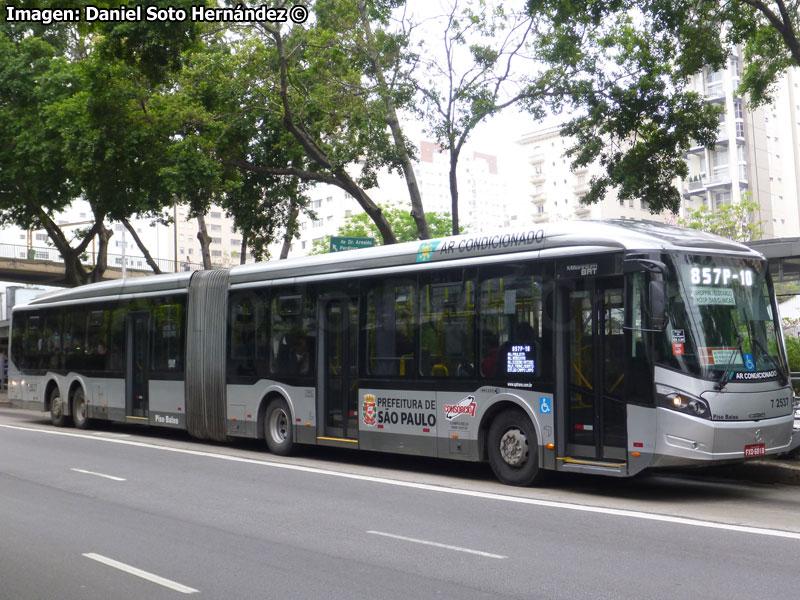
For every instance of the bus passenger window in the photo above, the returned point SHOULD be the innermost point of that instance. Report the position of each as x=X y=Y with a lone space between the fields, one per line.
x=511 y=324
x=168 y=319
x=292 y=335
x=447 y=316
x=242 y=335
x=390 y=329
x=97 y=340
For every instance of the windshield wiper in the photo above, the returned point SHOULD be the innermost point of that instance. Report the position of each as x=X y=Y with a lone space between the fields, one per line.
x=781 y=374
x=726 y=374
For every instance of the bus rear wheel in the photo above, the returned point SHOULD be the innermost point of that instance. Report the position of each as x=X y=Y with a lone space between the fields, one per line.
x=513 y=449
x=278 y=428
x=80 y=410
x=57 y=416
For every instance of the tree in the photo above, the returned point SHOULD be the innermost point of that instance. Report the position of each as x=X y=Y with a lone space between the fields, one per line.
x=402 y=223
x=474 y=77
x=636 y=113
x=311 y=78
x=75 y=126
x=737 y=222
x=384 y=53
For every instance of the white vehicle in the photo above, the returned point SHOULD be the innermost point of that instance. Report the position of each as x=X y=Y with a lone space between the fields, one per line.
x=603 y=347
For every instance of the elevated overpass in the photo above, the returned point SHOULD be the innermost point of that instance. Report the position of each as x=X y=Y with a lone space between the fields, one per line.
x=45 y=266
x=783 y=255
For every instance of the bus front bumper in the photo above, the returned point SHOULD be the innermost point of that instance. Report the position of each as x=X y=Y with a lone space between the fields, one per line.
x=689 y=441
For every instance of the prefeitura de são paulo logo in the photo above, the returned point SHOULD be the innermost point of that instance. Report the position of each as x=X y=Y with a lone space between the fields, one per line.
x=369 y=410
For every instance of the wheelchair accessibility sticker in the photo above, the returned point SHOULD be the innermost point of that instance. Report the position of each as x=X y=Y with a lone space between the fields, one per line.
x=545 y=406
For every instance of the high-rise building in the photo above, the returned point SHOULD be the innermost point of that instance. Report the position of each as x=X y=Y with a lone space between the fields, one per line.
x=555 y=189
x=757 y=155
x=485 y=196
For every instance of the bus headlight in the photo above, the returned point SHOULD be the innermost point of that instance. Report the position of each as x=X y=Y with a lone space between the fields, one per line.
x=682 y=402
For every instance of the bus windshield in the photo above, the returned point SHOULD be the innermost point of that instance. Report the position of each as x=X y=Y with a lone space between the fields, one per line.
x=722 y=324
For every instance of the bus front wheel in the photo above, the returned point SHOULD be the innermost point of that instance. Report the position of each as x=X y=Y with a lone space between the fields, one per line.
x=80 y=410
x=513 y=450
x=278 y=428
x=57 y=416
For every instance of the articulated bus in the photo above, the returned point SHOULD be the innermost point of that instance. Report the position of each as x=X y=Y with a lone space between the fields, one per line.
x=604 y=347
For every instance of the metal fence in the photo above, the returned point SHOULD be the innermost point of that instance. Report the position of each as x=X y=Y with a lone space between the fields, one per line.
x=138 y=263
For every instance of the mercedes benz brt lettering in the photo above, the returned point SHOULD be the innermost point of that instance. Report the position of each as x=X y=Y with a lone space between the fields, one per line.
x=602 y=347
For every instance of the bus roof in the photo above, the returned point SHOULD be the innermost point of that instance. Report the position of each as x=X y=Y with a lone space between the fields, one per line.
x=613 y=234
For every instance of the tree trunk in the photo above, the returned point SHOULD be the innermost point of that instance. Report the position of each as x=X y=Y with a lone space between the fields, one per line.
x=205 y=241
x=75 y=272
x=101 y=263
x=142 y=247
x=317 y=154
x=417 y=211
x=291 y=227
x=243 y=257
x=454 y=154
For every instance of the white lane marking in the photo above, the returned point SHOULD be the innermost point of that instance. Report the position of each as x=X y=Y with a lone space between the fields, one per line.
x=619 y=512
x=98 y=474
x=178 y=587
x=437 y=544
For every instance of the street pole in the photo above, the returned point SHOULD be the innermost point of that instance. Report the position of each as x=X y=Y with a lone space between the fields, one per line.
x=124 y=243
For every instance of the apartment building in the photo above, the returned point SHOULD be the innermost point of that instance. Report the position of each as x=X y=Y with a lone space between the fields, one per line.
x=757 y=155
x=555 y=189
x=486 y=196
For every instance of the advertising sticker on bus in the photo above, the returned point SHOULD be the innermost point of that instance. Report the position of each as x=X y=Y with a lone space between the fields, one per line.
x=398 y=413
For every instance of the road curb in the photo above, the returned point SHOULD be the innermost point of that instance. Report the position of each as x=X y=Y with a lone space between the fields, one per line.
x=776 y=470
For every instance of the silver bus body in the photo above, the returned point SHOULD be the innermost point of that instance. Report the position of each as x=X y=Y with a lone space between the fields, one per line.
x=585 y=418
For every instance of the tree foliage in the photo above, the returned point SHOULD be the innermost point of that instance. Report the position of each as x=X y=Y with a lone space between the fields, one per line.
x=473 y=74
x=75 y=125
x=323 y=88
x=402 y=224
x=737 y=222
x=637 y=112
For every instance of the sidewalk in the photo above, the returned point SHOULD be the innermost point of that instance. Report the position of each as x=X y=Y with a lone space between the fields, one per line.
x=784 y=470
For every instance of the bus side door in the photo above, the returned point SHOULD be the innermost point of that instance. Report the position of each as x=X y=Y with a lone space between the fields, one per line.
x=136 y=368
x=594 y=336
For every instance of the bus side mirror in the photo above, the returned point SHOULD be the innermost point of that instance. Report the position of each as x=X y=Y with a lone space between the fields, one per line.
x=658 y=304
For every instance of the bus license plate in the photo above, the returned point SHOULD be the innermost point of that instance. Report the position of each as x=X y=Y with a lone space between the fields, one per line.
x=755 y=450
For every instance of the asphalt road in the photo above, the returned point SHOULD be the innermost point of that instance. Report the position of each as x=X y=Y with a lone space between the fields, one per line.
x=126 y=513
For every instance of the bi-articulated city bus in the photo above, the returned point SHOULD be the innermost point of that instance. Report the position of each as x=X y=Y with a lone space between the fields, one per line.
x=603 y=347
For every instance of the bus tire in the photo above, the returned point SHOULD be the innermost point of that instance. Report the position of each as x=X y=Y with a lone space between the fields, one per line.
x=57 y=416
x=513 y=449
x=80 y=410
x=278 y=428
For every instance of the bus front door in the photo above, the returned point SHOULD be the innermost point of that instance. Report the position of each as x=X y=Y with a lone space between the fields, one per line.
x=339 y=369
x=596 y=416
x=137 y=360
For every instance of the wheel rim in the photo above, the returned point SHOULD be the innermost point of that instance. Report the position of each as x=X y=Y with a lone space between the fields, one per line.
x=279 y=426
x=514 y=447
x=56 y=408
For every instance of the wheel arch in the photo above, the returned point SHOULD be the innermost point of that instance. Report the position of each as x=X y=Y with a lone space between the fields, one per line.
x=76 y=385
x=501 y=405
x=268 y=397
x=50 y=386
